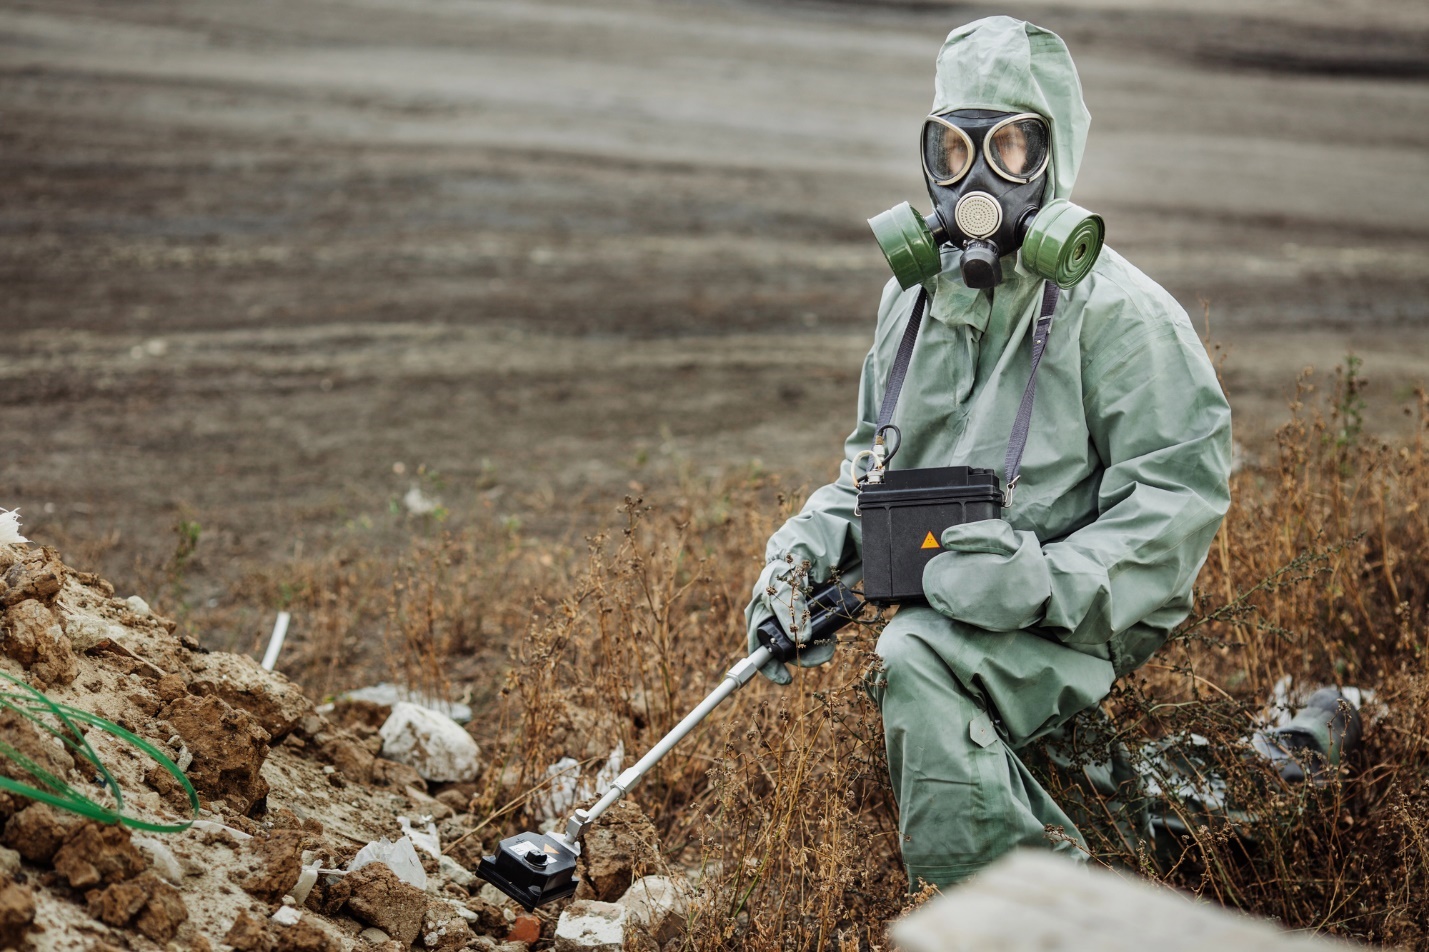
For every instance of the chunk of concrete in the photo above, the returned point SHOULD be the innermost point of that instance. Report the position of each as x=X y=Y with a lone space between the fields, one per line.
x=455 y=871
x=657 y=905
x=444 y=929
x=432 y=744
x=588 y=925
x=1034 y=901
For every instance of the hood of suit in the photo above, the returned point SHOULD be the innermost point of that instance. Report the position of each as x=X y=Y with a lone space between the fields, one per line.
x=1006 y=65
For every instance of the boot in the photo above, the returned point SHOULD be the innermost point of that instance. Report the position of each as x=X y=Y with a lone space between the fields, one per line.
x=1318 y=737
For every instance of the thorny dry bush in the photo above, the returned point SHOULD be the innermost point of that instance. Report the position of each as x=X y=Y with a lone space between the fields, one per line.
x=780 y=804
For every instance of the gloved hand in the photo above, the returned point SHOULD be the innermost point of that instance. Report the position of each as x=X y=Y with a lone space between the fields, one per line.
x=780 y=593
x=991 y=576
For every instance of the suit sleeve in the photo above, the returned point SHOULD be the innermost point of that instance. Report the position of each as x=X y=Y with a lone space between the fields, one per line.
x=1161 y=424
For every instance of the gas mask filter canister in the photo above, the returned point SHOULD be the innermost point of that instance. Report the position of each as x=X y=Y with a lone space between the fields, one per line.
x=986 y=174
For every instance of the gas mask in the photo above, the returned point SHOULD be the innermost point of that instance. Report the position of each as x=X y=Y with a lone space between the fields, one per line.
x=986 y=174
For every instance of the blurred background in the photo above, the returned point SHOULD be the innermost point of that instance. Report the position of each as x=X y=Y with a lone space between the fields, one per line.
x=285 y=278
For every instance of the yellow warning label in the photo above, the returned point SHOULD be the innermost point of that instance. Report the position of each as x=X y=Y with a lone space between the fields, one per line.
x=931 y=542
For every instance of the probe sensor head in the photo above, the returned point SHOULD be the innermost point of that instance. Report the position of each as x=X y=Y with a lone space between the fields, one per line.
x=531 y=868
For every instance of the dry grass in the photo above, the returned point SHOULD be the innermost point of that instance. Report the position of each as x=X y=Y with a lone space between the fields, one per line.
x=781 y=803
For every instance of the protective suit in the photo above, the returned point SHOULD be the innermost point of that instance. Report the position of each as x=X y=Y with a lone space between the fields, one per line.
x=1124 y=483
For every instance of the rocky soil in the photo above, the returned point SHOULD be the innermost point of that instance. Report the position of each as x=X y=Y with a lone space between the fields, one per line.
x=281 y=786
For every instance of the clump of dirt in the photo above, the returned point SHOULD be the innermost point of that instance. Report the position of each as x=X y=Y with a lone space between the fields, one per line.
x=47 y=753
x=154 y=907
x=275 y=704
x=38 y=831
x=623 y=846
x=250 y=933
x=95 y=855
x=228 y=748
x=29 y=574
x=377 y=897
x=33 y=637
x=278 y=862
x=17 y=912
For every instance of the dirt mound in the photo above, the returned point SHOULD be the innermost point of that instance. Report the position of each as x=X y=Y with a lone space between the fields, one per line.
x=284 y=793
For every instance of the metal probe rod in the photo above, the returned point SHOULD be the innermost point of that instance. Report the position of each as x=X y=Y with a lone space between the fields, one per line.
x=734 y=679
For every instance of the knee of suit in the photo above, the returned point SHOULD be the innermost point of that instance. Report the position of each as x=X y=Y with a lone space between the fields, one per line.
x=898 y=650
x=921 y=640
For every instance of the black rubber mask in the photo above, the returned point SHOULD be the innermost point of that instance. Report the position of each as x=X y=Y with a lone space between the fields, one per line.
x=986 y=174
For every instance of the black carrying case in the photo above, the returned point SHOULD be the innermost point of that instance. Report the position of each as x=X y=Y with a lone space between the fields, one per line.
x=903 y=512
x=903 y=520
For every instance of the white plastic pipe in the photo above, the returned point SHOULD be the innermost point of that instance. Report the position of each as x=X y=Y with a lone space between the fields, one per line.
x=275 y=642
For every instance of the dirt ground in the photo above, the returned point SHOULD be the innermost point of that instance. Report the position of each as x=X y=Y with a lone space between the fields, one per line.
x=265 y=266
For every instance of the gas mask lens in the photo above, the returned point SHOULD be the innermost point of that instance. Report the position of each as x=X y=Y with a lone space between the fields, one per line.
x=947 y=151
x=1016 y=148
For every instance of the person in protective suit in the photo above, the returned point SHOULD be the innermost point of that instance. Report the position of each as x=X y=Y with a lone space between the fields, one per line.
x=1028 y=619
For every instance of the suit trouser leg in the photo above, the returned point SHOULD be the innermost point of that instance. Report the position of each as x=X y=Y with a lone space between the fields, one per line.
x=958 y=702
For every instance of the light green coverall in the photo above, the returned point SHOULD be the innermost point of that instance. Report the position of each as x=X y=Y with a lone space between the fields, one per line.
x=1124 y=483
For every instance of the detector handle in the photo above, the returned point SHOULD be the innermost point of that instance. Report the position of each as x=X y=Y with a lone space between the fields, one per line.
x=734 y=679
x=831 y=607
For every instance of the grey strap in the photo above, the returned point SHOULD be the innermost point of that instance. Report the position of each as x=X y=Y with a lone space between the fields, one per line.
x=1012 y=464
x=900 y=362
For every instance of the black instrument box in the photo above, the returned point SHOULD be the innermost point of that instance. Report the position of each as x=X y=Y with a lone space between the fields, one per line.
x=903 y=520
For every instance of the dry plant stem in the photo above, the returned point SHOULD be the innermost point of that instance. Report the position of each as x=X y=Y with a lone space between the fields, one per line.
x=518 y=801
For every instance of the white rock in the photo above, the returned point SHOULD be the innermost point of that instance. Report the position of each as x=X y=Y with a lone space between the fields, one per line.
x=455 y=871
x=590 y=926
x=433 y=744
x=9 y=861
x=166 y=864
x=138 y=606
x=85 y=629
x=374 y=936
x=559 y=797
x=1035 y=901
x=287 y=916
x=400 y=857
x=658 y=905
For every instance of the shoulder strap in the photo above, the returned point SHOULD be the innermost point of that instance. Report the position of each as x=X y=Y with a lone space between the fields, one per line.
x=900 y=362
x=1012 y=464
